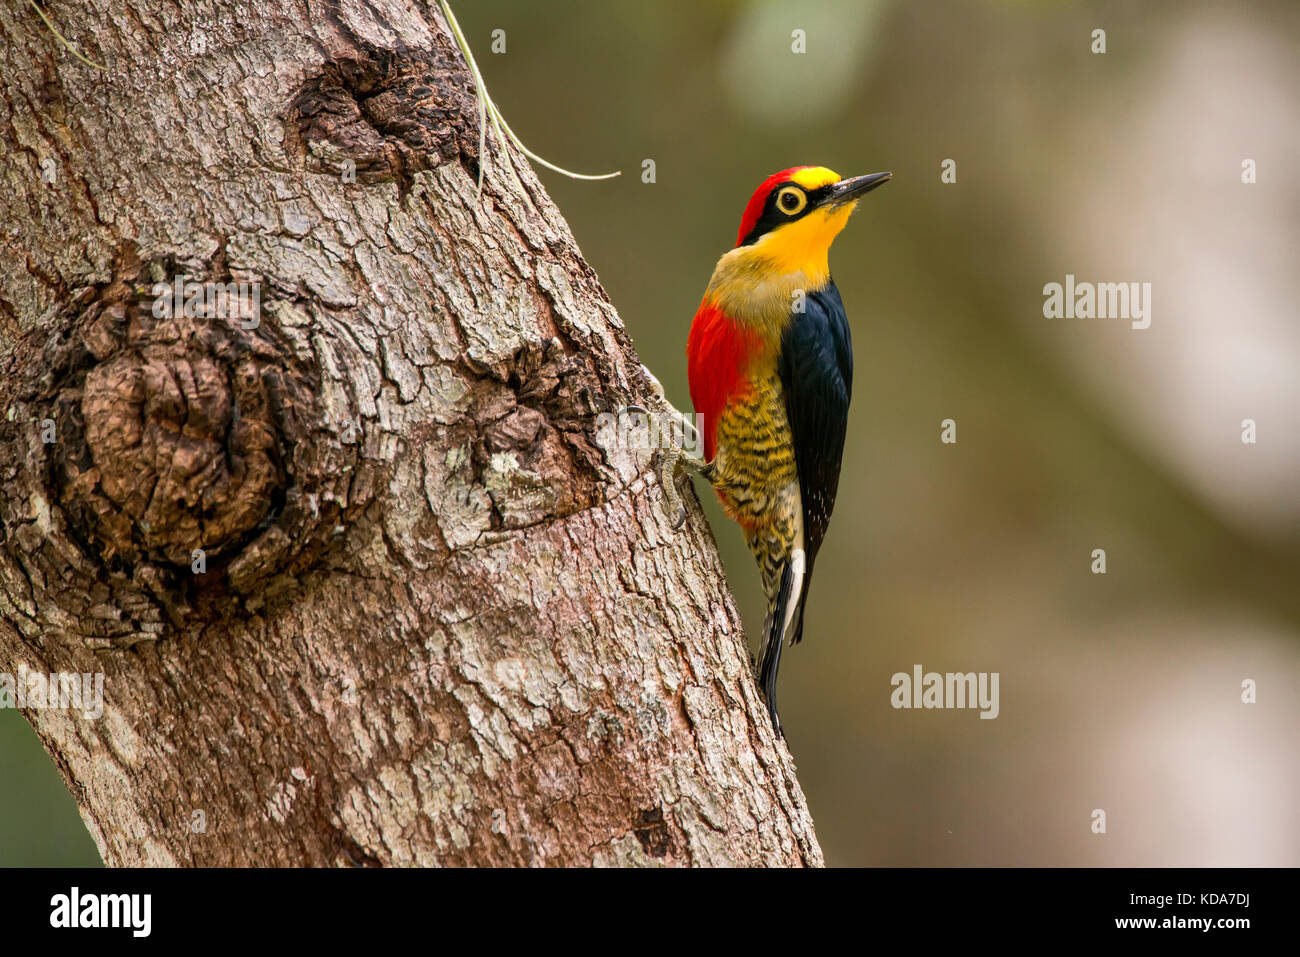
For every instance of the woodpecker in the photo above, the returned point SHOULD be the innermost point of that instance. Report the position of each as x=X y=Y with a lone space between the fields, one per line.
x=770 y=364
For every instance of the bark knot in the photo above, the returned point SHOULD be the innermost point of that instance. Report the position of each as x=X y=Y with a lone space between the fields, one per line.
x=182 y=446
x=173 y=447
x=383 y=116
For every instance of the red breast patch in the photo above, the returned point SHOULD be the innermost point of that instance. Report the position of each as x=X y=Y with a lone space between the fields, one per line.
x=718 y=353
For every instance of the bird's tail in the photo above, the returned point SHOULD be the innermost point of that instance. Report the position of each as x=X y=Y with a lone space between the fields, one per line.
x=796 y=635
x=785 y=609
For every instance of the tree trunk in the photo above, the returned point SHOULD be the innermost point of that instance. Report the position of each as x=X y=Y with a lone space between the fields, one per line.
x=366 y=584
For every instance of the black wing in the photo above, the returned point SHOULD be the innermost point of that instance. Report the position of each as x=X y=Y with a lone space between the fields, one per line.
x=816 y=369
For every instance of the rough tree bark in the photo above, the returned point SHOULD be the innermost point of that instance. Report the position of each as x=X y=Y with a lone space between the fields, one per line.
x=439 y=623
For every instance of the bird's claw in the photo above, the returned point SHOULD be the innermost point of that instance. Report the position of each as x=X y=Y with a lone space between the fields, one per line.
x=664 y=461
x=666 y=467
x=655 y=383
x=671 y=453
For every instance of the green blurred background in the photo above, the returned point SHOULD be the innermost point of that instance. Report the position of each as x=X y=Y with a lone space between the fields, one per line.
x=1119 y=691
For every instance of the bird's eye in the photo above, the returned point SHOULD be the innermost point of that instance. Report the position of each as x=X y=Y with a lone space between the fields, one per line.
x=791 y=200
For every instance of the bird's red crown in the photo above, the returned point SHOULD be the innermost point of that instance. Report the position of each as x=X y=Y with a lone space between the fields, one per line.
x=756 y=202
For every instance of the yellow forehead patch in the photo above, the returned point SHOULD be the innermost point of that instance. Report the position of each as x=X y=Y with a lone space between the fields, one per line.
x=815 y=177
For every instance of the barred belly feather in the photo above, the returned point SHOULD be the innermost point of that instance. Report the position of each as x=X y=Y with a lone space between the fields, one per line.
x=755 y=475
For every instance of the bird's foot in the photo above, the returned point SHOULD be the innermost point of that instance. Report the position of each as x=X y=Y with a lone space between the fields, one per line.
x=670 y=459
x=677 y=443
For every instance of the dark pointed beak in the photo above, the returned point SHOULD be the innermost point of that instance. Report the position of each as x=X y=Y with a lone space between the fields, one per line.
x=847 y=190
